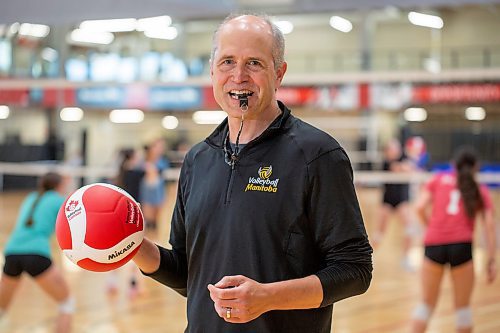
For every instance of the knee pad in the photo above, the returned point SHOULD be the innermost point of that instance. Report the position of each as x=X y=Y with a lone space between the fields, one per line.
x=422 y=312
x=464 y=317
x=67 y=306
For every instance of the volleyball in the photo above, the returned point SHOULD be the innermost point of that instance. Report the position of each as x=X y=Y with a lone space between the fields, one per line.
x=100 y=227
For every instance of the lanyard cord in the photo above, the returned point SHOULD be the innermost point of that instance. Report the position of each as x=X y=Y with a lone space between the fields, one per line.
x=233 y=157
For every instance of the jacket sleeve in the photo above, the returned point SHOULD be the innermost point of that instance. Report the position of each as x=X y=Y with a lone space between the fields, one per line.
x=172 y=271
x=337 y=227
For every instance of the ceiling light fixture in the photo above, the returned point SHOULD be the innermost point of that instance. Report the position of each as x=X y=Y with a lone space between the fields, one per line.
x=4 y=112
x=126 y=116
x=415 y=114
x=425 y=20
x=209 y=117
x=34 y=30
x=153 y=23
x=286 y=27
x=91 y=37
x=168 y=33
x=170 y=122
x=340 y=24
x=115 y=25
x=476 y=113
x=71 y=114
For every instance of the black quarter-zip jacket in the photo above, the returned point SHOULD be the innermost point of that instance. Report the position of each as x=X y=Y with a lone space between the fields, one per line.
x=286 y=209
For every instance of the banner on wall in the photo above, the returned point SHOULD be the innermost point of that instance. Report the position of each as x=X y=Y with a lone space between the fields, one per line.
x=457 y=93
x=298 y=96
x=344 y=97
x=396 y=96
x=177 y=98
x=54 y=98
x=136 y=96
x=20 y=97
x=208 y=98
x=390 y=96
x=101 y=97
x=140 y=96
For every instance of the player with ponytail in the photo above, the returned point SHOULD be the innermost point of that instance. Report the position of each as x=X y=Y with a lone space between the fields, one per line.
x=28 y=249
x=449 y=205
x=466 y=166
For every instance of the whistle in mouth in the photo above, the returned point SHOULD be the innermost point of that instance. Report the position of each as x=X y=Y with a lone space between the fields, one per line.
x=243 y=101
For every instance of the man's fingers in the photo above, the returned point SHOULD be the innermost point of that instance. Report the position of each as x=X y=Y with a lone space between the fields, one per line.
x=228 y=304
x=213 y=292
x=227 y=294
x=230 y=281
x=217 y=294
x=220 y=311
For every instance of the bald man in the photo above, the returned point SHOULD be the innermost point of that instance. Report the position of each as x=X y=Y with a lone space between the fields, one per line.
x=266 y=233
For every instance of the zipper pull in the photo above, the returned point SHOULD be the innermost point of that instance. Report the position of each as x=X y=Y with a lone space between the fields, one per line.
x=234 y=158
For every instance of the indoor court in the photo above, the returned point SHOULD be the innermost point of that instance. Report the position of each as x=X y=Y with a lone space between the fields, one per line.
x=386 y=307
x=118 y=92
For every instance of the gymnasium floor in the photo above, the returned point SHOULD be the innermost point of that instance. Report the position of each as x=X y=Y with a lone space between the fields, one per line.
x=386 y=307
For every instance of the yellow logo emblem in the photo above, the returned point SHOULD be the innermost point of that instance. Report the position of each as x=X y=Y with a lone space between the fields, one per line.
x=265 y=172
x=263 y=183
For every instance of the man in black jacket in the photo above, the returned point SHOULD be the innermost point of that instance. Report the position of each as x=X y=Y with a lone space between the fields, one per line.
x=266 y=217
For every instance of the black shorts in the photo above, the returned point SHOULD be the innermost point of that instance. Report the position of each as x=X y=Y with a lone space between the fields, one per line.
x=452 y=254
x=396 y=194
x=32 y=264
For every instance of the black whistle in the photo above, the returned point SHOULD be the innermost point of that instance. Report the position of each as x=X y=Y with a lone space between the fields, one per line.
x=243 y=102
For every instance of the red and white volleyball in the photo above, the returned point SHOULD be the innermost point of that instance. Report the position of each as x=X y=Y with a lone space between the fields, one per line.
x=100 y=227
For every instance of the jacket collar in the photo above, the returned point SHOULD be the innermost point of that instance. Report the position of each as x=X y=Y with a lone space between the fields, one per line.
x=218 y=136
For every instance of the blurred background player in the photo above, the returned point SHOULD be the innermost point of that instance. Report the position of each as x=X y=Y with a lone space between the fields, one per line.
x=448 y=206
x=152 y=187
x=144 y=181
x=130 y=177
x=28 y=249
x=396 y=198
x=416 y=151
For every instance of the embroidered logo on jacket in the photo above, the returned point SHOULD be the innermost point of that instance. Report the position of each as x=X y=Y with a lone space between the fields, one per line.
x=265 y=172
x=263 y=183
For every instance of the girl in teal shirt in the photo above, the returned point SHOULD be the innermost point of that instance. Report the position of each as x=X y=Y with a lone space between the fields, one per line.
x=28 y=249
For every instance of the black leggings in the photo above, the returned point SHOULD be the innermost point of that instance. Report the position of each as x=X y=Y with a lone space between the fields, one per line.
x=452 y=254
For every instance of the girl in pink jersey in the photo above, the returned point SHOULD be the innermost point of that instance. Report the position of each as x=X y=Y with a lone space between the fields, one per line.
x=456 y=199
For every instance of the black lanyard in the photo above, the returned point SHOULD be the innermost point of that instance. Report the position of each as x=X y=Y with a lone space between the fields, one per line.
x=231 y=156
